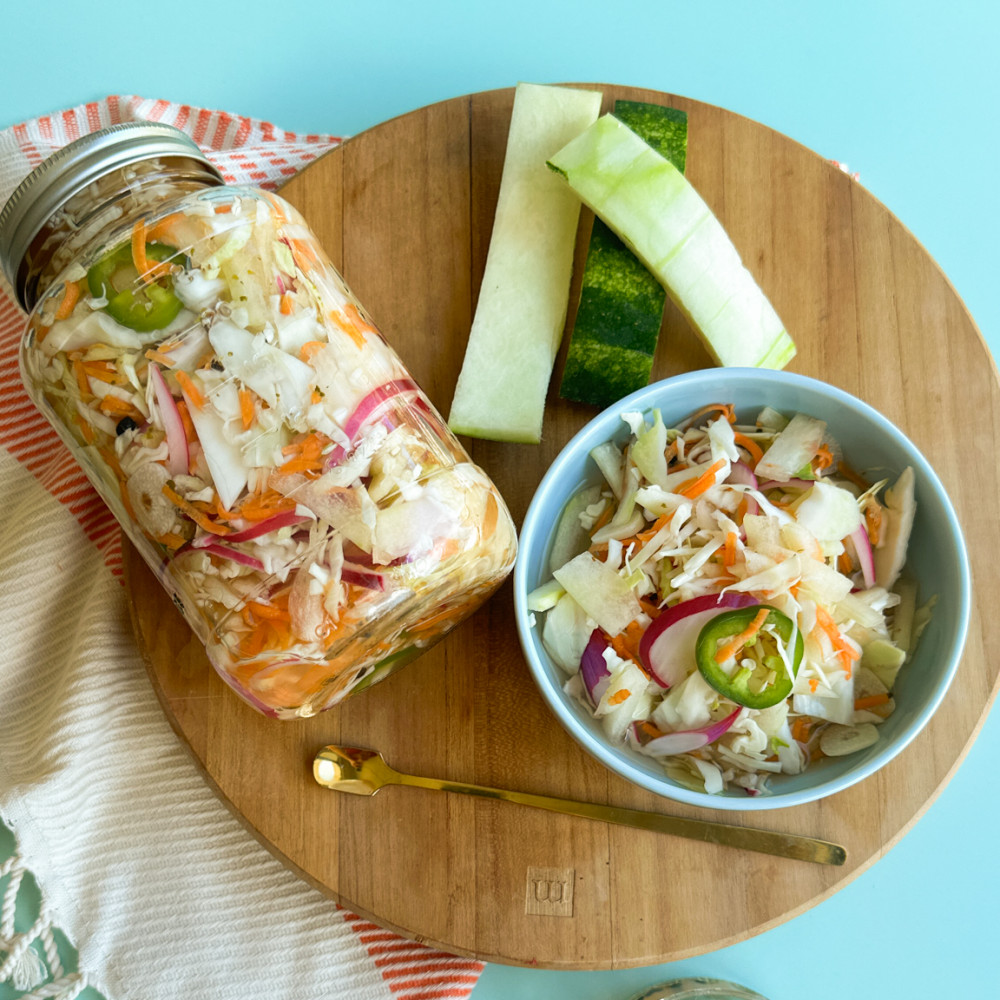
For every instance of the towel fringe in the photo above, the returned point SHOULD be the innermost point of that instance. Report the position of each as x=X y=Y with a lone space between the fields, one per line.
x=20 y=963
x=65 y=988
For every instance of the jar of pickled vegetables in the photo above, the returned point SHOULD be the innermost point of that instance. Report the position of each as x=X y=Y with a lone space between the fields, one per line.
x=698 y=988
x=262 y=446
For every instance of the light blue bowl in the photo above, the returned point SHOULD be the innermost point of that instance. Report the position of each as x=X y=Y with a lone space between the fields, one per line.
x=873 y=446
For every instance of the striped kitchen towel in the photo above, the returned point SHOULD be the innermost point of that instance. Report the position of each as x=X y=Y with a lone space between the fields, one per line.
x=159 y=888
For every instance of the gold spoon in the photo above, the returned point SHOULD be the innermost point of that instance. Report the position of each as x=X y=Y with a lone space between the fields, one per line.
x=364 y=772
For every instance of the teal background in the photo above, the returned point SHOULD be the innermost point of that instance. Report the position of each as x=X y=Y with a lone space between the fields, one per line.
x=906 y=93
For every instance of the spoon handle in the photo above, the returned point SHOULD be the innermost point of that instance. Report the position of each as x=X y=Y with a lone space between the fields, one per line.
x=784 y=845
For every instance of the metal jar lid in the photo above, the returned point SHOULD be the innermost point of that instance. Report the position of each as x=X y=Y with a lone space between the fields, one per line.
x=71 y=169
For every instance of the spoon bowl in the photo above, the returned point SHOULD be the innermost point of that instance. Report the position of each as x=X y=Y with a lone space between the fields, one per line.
x=351 y=769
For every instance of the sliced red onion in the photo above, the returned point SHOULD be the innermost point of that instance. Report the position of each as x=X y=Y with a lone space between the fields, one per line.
x=593 y=666
x=742 y=474
x=283 y=520
x=370 y=408
x=235 y=555
x=866 y=558
x=358 y=556
x=362 y=577
x=668 y=644
x=683 y=741
x=173 y=424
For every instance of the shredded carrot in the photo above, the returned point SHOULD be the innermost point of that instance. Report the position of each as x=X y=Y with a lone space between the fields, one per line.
x=619 y=696
x=111 y=460
x=741 y=510
x=269 y=611
x=139 y=246
x=304 y=253
x=161 y=230
x=647 y=730
x=729 y=549
x=848 y=473
x=693 y=488
x=82 y=380
x=845 y=564
x=246 y=408
x=171 y=540
x=71 y=295
x=434 y=623
x=344 y=323
x=626 y=643
x=800 y=729
x=846 y=653
x=445 y=548
x=285 y=305
x=306 y=454
x=308 y=349
x=651 y=609
x=160 y=358
x=871 y=701
x=731 y=648
x=192 y=391
x=490 y=518
x=827 y=624
x=750 y=446
x=252 y=643
x=148 y=270
x=603 y=517
x=261 y=506
x=823 y=458
x=638 y=539
x=104 y=371
x=115 y=407
x=311 y=445
x=277 y=205
x=813 y=684
x=189 y=431
x=658 y=525
x=873 y=521
x=85 y=429
x=725 y=410
x=220 y=510
x=199 y=518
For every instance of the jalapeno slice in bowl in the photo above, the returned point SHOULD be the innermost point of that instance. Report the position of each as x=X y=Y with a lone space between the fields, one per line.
x=757 y=642
x=141 y=303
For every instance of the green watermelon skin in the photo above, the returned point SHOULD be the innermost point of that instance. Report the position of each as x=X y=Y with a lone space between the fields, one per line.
x=621 y=304
x=649 y=203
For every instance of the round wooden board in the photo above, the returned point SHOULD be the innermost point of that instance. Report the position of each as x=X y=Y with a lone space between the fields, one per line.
x=406 y=210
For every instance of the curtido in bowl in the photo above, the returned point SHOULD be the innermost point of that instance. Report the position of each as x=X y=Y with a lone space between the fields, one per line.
x=742 y=588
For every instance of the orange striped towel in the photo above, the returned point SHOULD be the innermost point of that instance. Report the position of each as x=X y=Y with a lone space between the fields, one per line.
x=161 y=891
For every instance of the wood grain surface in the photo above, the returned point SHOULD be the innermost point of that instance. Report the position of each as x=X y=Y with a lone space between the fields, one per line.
x=405 y=210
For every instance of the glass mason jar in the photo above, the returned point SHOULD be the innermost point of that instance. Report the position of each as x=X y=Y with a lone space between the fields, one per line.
x=697 y=988
x=261 y=445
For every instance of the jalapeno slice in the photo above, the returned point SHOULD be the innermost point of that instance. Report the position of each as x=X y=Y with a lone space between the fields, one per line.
x=139 y=305
x=732 y=635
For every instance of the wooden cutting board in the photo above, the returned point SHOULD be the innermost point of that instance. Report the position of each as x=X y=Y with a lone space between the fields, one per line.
x=406 y=210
